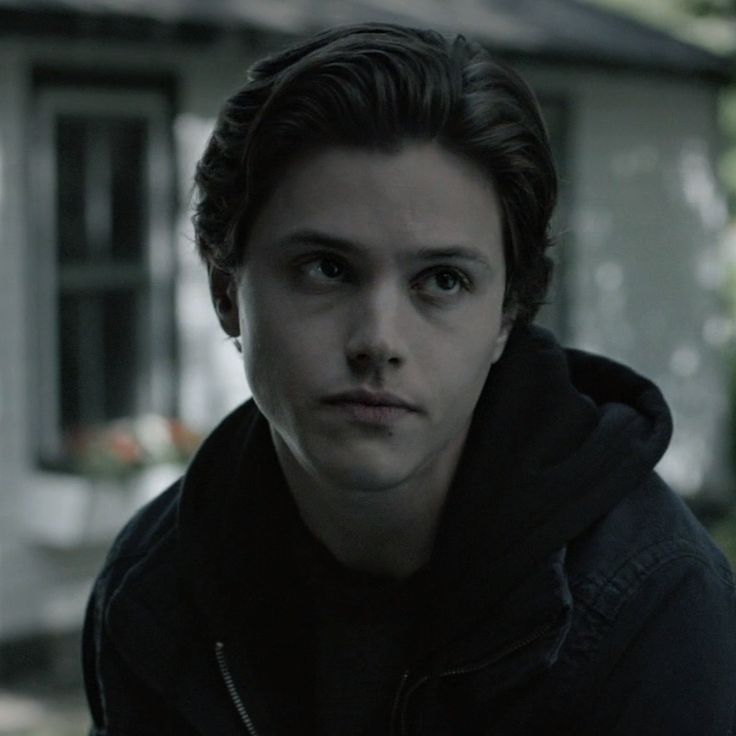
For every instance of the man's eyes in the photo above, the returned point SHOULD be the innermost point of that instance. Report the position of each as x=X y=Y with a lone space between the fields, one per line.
x=435 y=283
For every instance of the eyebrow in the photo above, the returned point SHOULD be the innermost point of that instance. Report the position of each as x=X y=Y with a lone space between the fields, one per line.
x=427 y=253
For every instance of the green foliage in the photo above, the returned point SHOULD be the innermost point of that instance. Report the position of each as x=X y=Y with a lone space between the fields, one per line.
x=721 y=8
x=724 y=534
x=732 y=415
x=727 y=162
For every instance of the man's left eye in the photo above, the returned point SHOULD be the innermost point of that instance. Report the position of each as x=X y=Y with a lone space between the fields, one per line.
x=443 y=282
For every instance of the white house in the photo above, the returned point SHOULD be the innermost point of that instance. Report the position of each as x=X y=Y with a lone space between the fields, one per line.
x=105 y=108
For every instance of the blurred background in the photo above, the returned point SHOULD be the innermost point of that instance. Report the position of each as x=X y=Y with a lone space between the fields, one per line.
x=112 y=366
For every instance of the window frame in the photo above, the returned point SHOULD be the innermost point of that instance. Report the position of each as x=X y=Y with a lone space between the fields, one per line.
x=157 y=388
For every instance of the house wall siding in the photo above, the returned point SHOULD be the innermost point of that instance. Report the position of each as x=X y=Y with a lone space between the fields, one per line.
x=14 y=327
x=647 y=225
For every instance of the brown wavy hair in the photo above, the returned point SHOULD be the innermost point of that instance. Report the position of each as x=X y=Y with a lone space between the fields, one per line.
x=378 y=86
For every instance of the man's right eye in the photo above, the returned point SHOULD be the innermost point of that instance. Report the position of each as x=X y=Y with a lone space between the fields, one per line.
x=322 y=269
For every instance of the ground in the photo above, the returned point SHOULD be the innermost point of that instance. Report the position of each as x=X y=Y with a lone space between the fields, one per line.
x=41 y=690
x=24 y=713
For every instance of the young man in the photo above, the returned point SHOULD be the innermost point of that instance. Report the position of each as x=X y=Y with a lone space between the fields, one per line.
x=430 y=519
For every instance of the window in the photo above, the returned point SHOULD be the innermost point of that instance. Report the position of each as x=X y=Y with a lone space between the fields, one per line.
x=101 y=206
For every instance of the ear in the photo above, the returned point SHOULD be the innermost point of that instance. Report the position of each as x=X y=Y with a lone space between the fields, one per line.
x=507 y=324
x=224 y=292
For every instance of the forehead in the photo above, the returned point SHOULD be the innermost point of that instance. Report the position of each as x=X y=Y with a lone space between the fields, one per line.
x=420 y=196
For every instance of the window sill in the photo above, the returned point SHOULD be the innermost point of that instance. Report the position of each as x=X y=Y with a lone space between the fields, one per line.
x=68 y=512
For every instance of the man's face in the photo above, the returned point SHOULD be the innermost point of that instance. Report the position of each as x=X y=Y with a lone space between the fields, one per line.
x=370 y=309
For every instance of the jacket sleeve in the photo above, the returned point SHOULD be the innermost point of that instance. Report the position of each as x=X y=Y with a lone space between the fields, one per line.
x=89 y=669
x=119 y=702
x=669 y=662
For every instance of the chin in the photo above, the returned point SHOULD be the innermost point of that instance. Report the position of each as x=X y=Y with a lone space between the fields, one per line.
x=361 y=475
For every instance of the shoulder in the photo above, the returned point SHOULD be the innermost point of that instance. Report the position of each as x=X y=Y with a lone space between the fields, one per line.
x=651 y=532
x=653 y=635
x=136 y=600
x=148 y=527
x=144 y=539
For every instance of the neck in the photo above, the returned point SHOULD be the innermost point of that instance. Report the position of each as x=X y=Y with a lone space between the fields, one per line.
x=388 y=532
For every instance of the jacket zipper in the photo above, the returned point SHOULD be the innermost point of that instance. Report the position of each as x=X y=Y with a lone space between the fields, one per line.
x=232 y=690
x=397 y=699
x=505 y=652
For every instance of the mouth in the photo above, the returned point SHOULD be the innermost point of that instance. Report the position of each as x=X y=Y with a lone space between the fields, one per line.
x=371 y=407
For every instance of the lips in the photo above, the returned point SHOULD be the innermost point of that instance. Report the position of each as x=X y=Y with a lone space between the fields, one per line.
x=370 y=398
x=373 y=407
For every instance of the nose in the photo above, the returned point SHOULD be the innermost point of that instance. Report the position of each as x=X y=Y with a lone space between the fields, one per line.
x=374 y=342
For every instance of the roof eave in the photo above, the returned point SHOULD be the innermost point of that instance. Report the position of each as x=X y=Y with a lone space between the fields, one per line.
x=57 y=23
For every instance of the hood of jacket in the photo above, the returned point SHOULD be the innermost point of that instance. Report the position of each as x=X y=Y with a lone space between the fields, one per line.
x=557 y=439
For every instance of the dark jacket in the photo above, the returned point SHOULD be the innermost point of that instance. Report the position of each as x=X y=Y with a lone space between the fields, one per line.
x=570 y=591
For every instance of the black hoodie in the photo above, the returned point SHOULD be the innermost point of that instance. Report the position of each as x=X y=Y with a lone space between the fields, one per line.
x=550 y=507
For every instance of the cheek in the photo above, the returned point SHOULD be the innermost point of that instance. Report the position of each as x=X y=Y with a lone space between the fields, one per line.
x=464 y=377
x=282 y=353
x=465 y=353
